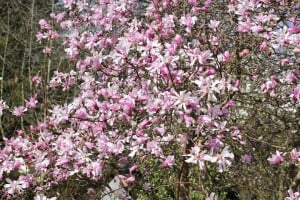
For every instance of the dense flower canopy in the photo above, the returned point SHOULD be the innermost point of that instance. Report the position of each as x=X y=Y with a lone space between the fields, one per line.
x=154 y=80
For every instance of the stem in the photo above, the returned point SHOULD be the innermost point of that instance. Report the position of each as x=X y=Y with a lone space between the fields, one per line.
x=30 y=44
x=48 y=72
x=183 y=186
x=3 y=68
x=22 y=85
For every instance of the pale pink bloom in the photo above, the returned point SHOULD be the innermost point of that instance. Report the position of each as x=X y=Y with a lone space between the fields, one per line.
x=168 y=162
x=292 y=195
x=230 y=104
x=276 y=158
x=214 y=144
x=40 y=36
x=294 y=29
x=257 y=29
x=81 y=114
x=31 y=103
x=3 y=106
x=214 y=40
x=189 y=21
x=59 y=17
x=291 y=77
x=68 y=3
x=91 y=191
x=42 y=165
x=269 y=85
x=244 y=27
x=44 y=24
x=204 y=56
x=177 y=40
x=213 y=24
x=198 y=157
x=62 y=161
x=212 y=196
x=182 y=99
x=144 y=124
x=47 y=50
x=168 y=21
x=20 y=132
x=154 y=148
x=284 y=61
x=13 y=186
x=224 y=159
x=296 y=94
x=225 y=57
x=43 y=197
x=210 y=71
x=188 y=120
x=193 y=2
x=272 y=93
x=36 y=79
x=244 y=53
x=205 y=119
x=19 y=111
x=295 y=155
x=263 y=46
x=246 y=158
x=96 y=168
x=130 y=180
x=133 y=168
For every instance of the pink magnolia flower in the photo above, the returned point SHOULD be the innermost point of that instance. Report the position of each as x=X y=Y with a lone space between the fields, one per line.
x=182 y=99
x=293 y=195
x=212 y=196
x=193 y=2
x=263 y=46
x=269 y=85
x=210 y=71
x=154 y=148
x=201 y=56
x=47 y=50
x=224 y=159
x=294 y=29
x=291 y=77
x=213 y=24
x=189 y=21
x=244 y=27
x=198 y=157
x=19 y=111
x=133 y=168
x=13 y=186
x=36 y=79
x=31 y=103
x=205 y=119
x=225 y=57
x=96 y=168
x=3 y=106
x=296 y=94
x=244 y=53
x=276 y=158
x=43 y=197
x=188 y=120
x=168 y=162
x=247 y=158
x=44 y=24
x=295 y=155
x=284 y=61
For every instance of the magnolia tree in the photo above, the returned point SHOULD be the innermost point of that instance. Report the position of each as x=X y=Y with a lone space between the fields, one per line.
x=163 y=94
